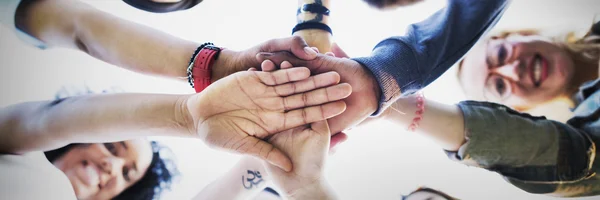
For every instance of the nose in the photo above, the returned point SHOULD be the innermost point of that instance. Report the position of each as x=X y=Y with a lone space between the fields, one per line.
x=110 y=168
x=511 y=71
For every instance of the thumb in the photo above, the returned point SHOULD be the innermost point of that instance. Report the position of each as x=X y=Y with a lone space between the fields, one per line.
x=265 y=151
x=335 y=49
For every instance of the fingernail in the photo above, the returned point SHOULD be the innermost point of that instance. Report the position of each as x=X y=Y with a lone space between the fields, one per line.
x=310 y=51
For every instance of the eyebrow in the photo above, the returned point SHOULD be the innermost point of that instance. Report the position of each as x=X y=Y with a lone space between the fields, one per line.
x=124 y=145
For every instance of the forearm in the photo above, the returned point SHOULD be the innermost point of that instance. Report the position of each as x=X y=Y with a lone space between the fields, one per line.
x=92 y=119
x=238 y=183
x=314 y=37
x=73 y=24
x=405 y=64
x=441 y=122
x=517 y=145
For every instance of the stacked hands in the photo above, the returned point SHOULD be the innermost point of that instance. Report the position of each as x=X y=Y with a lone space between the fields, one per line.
x=278 y=114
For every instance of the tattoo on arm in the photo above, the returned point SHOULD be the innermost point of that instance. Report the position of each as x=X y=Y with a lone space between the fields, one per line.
x=253 y=179
x=318 y=17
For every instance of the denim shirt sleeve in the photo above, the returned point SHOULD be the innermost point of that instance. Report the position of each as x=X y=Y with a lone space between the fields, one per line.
x=527 y=150
x=405 y=64
x=8 y=10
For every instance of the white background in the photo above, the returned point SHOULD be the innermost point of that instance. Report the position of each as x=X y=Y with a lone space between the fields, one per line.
x=381 y=161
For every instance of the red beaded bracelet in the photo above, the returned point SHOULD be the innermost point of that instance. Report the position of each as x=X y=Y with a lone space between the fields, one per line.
x=419 y=113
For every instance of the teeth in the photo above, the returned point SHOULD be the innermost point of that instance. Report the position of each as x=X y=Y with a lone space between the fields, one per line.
x=537 y=71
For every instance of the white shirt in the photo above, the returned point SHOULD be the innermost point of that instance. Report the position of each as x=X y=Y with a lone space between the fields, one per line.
x=32 y=177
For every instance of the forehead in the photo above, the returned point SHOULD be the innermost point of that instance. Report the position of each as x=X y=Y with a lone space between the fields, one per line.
x=473 y=71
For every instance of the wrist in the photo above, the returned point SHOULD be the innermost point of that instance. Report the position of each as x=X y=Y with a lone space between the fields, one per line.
x=225 y=65
x=317 y=190
x=200 y=68
x=372 y=86
x=184 y=116
x=254 y=174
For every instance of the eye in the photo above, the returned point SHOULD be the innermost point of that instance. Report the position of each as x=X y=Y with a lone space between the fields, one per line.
x=126 y=174
x=500 y=86
x=111 y=148
x=501 y=55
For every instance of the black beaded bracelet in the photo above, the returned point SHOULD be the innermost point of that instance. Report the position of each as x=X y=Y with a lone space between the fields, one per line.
x=311 y=25
x=314 y=8
x=191 y=63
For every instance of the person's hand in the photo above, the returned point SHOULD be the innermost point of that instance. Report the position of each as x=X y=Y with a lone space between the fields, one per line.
x=337 y=51
x=230 y=61
x=365 y=91
x=236 y=112
x=307 y=147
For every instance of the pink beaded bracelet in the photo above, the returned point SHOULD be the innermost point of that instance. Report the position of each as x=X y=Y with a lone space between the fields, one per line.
x=419 y=113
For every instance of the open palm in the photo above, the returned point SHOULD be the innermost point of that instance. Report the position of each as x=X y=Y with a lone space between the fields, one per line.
x=236 y=112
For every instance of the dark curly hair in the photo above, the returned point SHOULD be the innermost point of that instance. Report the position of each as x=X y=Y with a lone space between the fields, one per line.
x=160 y=173
x=156 y=179
x=432 y=191
x=162 y=7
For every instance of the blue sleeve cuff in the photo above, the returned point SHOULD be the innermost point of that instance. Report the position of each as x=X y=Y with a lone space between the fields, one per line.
x=393 y=81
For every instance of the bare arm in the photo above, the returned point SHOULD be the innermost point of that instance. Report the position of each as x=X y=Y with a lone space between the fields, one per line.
x=314 y=37
x=441 y=122
x=245 y=180
x=533 y=153
x=76 y=25
x=73 y=24
x=40 y=126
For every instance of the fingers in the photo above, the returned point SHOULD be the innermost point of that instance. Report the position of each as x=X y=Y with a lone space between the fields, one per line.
x=268 y=66
x=283 y=76
x=315 y=49
x=317 y=97
x=312 y=114
x=265 y=151
x=337 y=139
x=286 y=65
x=330 y=54
x=278 y=57
x=295 y=44
x=311 y=83
x=338 y=52
x=252 y=69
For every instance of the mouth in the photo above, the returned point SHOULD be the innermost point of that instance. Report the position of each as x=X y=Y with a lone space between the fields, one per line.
x=538 y=70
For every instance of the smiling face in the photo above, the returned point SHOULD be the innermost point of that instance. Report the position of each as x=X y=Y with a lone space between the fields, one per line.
x=519 y=70
x=102 y=171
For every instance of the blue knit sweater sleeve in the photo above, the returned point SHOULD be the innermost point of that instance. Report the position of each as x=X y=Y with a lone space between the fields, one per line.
x=405 y=64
